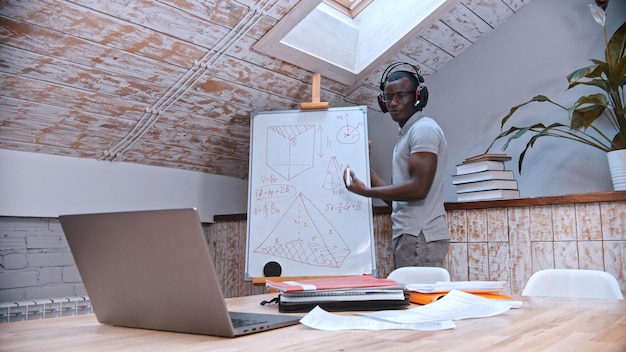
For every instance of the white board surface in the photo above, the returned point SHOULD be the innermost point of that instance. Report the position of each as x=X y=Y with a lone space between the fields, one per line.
x=302 y=221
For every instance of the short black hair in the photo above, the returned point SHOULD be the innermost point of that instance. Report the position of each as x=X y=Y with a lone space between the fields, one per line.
x=396 y=75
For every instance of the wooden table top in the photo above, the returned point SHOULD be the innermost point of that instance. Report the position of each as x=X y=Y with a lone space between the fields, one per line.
x=543 y=324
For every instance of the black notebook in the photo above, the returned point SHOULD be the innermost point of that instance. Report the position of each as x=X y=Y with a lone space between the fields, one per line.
x=343 y=300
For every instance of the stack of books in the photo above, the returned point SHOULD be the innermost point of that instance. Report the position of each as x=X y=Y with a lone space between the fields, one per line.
x=485 y=177
x=348 y=293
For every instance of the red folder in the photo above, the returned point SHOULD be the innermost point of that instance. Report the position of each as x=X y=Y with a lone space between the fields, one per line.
x=356 y=281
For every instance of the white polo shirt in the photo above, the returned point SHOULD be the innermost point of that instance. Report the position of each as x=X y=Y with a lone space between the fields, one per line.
x=420 y=134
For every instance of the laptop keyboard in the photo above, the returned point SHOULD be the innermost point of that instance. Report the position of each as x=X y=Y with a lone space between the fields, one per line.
x=237 y=323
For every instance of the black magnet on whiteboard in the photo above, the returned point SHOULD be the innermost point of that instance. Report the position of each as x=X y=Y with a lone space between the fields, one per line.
x=272 y=269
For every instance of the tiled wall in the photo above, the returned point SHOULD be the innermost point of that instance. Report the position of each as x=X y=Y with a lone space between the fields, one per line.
x=513 y=242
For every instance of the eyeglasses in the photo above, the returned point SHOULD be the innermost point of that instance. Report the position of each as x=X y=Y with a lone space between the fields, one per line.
x=398 y=95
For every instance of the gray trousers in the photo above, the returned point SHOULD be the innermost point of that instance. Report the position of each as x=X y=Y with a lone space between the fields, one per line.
x=409 y=250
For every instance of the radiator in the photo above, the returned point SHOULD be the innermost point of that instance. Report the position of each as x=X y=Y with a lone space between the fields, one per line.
x=44 y=308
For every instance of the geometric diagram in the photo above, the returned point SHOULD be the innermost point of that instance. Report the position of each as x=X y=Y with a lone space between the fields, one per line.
x=333 y=175
x=348 y=134
x=304 y=235
x=290 y=149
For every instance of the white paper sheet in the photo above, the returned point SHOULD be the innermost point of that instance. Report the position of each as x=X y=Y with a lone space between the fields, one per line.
x=438 y=315
x=322 y=320
x=456 y=305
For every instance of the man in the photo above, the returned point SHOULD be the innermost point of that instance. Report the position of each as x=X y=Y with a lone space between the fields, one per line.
x=420 y=231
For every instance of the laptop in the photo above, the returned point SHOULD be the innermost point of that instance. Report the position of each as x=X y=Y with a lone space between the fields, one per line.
x=153 y=270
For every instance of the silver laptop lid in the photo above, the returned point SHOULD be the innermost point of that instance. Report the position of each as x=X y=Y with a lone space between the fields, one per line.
x=149 y=269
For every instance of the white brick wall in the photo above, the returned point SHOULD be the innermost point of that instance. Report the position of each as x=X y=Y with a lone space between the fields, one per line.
x=35 y=261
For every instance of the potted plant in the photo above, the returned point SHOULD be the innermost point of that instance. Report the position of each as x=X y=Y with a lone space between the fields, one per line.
x=609 y=77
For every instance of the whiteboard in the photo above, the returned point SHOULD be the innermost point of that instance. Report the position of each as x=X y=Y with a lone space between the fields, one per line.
x=302 y=221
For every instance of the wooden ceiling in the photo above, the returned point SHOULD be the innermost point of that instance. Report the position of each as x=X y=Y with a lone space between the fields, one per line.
x=174 y=83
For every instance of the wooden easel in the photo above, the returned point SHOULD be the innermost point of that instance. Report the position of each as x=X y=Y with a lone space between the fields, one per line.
x=315 y=95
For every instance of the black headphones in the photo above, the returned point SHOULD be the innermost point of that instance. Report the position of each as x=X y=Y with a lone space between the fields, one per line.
x=421 y=93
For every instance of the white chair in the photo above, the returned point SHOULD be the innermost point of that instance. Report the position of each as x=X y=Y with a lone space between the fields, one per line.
x=573 y=283
x=419 y=275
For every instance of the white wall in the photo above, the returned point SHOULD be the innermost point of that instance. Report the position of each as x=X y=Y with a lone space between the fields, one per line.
x=530 y=54
x=42 y=185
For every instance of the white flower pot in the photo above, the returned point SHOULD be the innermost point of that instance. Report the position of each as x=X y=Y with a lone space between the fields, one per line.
x=617 y=166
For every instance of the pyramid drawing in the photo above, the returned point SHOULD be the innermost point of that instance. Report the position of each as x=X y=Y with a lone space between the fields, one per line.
x=290 y=149
x=304 y=235
x=333 y=177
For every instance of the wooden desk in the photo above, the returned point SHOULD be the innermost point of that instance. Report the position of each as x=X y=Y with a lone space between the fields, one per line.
x=544 y=324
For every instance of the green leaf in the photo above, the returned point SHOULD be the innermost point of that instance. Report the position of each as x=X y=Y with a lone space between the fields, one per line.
x=600 y=83
x=586 y=116
x=544 y=132
x=593 y=71
x=617 y=75
x=538 y=98
x=617 y=44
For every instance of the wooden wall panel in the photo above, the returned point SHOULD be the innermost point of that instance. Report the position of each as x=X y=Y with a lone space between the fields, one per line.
x=466 y=22
x=588 y=222
x=499 y=269
x=457 y=223
x=615 y=260
x=515 y=4
x=541 y=223
x=542 y=255
x=513 y=259
x=457 y=261
x=497 y=225
x=453 y=42
x=613 y=221
x=492 y=12
x=478 y=260
x=383 y=244
x=564 y=222
x=221 y=256
x=566 y=255
x=477 y=225
x=590 y=255
x=519 y=237
x=429 y=55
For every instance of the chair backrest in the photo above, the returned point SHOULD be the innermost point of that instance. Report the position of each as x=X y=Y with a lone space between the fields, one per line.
x=419 y=275
x=573 y=283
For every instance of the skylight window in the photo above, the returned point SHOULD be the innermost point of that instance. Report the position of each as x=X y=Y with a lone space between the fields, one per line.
x=316 y=34
x=349 y=7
